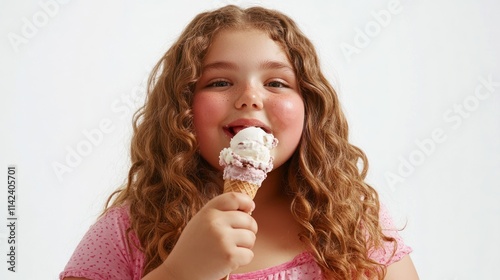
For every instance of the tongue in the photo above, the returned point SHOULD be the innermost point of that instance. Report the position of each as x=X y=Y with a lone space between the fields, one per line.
x=237 y=129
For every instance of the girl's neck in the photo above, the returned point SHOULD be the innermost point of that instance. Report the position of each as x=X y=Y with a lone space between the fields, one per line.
x=272 y=187
x=278 y=239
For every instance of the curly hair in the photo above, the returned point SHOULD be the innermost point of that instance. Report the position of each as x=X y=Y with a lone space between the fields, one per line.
x=169 y=181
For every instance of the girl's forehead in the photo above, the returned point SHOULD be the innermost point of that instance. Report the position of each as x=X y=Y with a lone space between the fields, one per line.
x=237 y=40
x=239 y=30
x=244 y=48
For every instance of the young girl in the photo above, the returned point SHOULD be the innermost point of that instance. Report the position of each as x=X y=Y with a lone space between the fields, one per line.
x=314 y=217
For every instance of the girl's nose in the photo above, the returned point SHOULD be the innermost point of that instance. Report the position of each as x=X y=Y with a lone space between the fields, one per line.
x=249 y=98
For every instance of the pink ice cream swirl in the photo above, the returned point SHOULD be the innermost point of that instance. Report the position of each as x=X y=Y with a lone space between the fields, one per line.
x=242 y=169
x=249 y=156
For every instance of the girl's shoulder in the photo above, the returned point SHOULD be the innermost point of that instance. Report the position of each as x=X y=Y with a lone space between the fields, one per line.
x=118 y=215
x=109 y=250
x=387 y=255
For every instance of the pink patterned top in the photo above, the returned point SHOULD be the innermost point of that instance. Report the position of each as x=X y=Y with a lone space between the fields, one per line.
x=103 y=254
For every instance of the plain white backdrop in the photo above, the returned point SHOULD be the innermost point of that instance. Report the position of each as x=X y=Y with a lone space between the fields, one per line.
x=419 y=82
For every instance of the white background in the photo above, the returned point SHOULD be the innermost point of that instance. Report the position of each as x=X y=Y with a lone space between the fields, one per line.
x=68 y=67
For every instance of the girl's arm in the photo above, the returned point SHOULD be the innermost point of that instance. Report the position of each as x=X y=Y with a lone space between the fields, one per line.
x=216 y=241
x=403 y=269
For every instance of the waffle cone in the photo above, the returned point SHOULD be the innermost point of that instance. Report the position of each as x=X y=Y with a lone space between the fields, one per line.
x=241 y=187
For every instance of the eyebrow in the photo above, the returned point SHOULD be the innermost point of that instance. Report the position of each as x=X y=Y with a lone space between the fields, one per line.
x=224 y=65
x=272 y=64
x=266 y=65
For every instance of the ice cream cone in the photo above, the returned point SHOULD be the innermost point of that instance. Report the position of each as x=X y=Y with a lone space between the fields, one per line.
x=247 y=161
x=241 y=187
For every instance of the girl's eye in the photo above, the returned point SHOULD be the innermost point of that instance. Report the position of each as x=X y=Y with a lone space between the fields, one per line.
x=219 y=84
x=276 y=84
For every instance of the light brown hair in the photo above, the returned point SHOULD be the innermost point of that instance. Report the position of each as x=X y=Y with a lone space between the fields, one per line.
x=169 y=181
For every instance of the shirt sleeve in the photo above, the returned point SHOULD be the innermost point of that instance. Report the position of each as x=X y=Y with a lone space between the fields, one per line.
x=104 y=252
x=385 y=255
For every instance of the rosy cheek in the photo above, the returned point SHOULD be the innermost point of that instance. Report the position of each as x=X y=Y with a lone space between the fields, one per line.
x=198 y=112
x=288 y=112
x=205 y=108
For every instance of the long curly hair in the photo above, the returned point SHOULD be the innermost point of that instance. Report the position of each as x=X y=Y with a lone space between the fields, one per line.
x=169 y=181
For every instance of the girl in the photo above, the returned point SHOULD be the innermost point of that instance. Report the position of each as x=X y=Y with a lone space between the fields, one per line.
x=314 y=217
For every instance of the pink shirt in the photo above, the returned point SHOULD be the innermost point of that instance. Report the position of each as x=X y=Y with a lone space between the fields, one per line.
x=103 y=254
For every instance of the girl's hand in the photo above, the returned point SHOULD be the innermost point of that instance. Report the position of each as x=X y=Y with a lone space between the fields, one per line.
x=216 y=241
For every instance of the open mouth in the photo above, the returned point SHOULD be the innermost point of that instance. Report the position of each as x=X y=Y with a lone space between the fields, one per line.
x=233 y=130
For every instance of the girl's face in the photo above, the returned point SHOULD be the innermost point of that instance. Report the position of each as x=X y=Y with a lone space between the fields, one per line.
x=246 y=80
